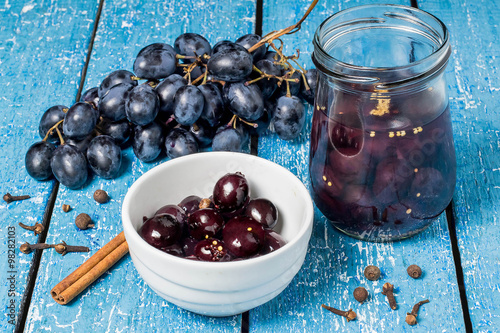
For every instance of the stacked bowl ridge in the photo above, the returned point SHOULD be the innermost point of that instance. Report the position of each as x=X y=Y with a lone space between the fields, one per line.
x=218 y=288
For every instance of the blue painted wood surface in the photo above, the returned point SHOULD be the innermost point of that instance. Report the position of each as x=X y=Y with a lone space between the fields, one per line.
x=335 y=262
x=474 y=85
x=42 y=51
x=120 y=300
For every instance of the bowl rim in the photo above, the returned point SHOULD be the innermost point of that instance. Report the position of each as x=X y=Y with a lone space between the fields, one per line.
x=131 y=232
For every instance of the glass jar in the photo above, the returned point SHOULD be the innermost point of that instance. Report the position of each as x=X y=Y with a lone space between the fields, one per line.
x=382 y=160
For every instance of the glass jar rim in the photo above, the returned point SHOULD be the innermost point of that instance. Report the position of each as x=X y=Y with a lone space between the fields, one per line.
x=351 y=73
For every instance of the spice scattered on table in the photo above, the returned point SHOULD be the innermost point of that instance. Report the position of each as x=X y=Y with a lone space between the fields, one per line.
x=388 y=290
x=360 y=294
x=66 y=208
x=83 y=221
x=63 y=248
x=372 y=273
x=414 y=271
x=27 y=248
x=101 y=196
x=37 y=228
x=349 y=314
x=411 y=318
x=8 y=198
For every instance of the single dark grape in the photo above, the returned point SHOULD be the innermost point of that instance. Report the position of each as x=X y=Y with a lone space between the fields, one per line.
x=160 y=231
x=263 y=211
x=91 y=96
x=231 y=191
x=312 y=81
x=244 y=101
x=175 y=211
x=268 y=86
x=166 y=91
x=204 y=222
x=112 y=104
x=104 y=156
x=188 y=105
x=221 y=45
x=289 y=117
x=213 y=106
x=202 y=132
x=211 y=249
x=82 y=144
x=148 y=141
x=174 y=249
x=190 y=204
x=227 y=138
x=243 y=236
x=114 y=78
x=427 y=190
x=260 y=125
x=272 y=56
x=49 y=118
x=180 y=142
x=69 y=166
x=37 y=160
x=191 y=44
x=188 y=245
x=80 y=121
x=232 y=63
x=391 y=181
x=272 y=242
x=119 y=130
x=142 y=105
x=155 y=61
x=247 y=41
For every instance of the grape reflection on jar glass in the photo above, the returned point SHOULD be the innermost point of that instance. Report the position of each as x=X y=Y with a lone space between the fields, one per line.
x=179 y=99
x=229 y=226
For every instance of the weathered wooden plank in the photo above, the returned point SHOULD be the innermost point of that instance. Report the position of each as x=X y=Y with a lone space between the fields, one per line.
x=335 y=262
x=474 y=85
x=42 y=51
x=120 y=300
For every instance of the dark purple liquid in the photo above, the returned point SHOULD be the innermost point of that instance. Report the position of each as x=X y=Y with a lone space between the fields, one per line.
x=381 y=178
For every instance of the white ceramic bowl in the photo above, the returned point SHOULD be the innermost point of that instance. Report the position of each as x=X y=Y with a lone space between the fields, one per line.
x=218 y=288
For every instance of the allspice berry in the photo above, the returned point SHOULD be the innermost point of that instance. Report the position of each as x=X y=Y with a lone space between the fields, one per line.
x=372 y=273
x=360 y=294
x=414 y=271
x=83 y=221
x=101 y=196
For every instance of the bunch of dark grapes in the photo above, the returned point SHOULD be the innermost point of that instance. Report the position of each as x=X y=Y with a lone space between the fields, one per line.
x=178 y=100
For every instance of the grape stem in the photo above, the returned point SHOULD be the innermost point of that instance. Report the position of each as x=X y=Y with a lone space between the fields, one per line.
x=290 y=30
x=60 y=136
x=49 y=132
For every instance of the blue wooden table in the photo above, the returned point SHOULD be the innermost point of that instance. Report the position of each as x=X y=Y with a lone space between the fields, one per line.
x=50 y=51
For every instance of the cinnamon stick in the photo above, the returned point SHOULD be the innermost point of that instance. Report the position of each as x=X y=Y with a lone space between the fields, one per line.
x=90 y=270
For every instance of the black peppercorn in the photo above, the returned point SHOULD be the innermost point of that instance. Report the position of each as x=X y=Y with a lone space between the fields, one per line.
x=372 y=273
x=83 y=221
x=101 y=196
x=414 y=271
x=360 y=294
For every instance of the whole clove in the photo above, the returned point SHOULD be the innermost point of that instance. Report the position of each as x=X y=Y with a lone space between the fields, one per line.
x=28 y=248
x=388 y=290
x=411 y=318
x=63 y=248
x=349 y=314
x=37 y=228
x=8 y=198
